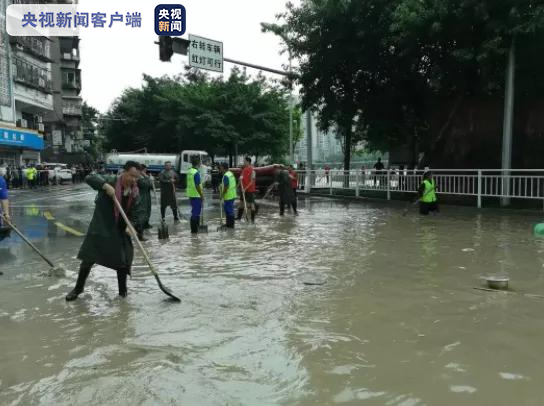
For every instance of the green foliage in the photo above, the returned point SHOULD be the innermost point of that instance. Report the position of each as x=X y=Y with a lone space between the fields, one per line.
x=89 y=125
x=196 y=112
x=376 y=69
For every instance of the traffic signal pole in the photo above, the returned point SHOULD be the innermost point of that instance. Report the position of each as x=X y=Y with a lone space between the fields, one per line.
x=169 y=46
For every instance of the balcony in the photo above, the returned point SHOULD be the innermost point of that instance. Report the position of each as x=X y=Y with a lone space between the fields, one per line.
x=35 y=82
x=71 y=108
x=35 y=46
x=30 y=125
x=66 y=55
x=71 y=85
x=71 y=79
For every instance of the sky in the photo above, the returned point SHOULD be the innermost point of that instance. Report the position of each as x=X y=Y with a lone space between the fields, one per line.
x=113 y=63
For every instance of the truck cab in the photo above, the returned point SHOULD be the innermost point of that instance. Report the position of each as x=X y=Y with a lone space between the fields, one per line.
x=185 y=165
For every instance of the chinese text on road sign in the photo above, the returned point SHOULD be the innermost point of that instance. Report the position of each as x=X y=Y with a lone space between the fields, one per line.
x=205 y=53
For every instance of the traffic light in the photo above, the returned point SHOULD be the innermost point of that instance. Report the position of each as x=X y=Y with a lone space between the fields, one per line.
x=165 y=48
x=180 y=46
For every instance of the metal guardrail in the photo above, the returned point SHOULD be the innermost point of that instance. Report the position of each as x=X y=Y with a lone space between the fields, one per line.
x=479 y=183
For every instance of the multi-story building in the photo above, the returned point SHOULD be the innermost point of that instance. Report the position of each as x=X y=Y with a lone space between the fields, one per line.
x=26 y=94
x=40 y=83
x=324 y=144
x=64 y=122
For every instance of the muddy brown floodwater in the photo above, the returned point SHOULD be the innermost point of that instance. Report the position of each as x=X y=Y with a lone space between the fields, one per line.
x=345 y=304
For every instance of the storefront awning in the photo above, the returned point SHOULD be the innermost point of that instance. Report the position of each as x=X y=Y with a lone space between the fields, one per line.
x=18 y=138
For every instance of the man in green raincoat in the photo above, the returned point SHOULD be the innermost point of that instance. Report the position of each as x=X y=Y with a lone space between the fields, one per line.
x=168 y=178
x=107 y=242
x=143 y=213
x=287 y=195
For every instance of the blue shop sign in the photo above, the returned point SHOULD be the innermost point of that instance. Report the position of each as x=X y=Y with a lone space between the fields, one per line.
x=20 y=139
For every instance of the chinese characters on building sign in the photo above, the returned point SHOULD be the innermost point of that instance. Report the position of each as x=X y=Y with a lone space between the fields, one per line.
x=20 y=139
x=13 y=137
x=170 y=20
x=205 y=53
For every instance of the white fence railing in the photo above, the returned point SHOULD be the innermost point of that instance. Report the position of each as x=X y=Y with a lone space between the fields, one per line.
x=480 y=183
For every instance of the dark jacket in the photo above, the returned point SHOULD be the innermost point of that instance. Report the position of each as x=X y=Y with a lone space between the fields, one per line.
x=143 y=210
x=168 y=196
x=284 y=186
x=107 y=242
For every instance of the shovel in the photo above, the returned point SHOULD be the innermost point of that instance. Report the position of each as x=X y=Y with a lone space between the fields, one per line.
x=408 y=205
x=203 y=227
x=175 y=201
x=142 y=250
x=245 y=204
x=163 y=228
x=54 y=269
x=268 y=191
x=222 y=227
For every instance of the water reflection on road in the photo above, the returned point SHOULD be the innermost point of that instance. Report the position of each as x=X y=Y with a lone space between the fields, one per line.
x=347 y=303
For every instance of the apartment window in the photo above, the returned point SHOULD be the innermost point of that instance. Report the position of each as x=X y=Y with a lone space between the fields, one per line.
x=69 y=78
x=37 y=45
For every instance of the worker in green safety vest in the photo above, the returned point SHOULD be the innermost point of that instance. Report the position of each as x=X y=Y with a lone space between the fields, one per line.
x=31 y=175
x=195 y=193
x=228 y=193
x=428 y=201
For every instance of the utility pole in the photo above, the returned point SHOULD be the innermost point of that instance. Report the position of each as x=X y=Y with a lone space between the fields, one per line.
x=508 y=124
x=291 y=153
x=291 y=156
x=309 y=151
x=310 y=177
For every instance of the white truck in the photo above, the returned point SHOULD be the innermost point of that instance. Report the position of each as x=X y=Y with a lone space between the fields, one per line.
x=155 y=162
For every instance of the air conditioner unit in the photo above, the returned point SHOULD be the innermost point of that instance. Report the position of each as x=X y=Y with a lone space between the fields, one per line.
x=24 y=123
x=41 y=127
x=40 y=119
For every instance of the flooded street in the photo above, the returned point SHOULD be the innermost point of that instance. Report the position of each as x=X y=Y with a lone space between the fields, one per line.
x=349 y=303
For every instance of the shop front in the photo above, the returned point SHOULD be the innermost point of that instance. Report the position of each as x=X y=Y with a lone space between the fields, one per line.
x=19 y=147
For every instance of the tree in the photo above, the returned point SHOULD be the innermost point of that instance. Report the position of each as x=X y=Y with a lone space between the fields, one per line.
x=335 y=68
x=195 y=112
x=379 y=70
x=89 y=125
x=463 y=47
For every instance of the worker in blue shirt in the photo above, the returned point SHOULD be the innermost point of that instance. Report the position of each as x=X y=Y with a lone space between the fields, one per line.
x=195 y=193
x=4 y=209
x=228 y=193
x=4 y=206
